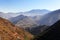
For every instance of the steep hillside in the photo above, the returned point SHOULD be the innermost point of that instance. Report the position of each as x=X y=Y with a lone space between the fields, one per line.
x=27 y=22
x=50 y=18
x=16 y=19
x=8 y=31
x=37 y=30
x=52 y=33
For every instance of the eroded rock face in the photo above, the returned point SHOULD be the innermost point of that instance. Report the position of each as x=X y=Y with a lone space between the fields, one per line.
x=8 y=31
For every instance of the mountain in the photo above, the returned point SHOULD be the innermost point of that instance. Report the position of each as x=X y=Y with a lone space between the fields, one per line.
x=16 y=19
x=27 y=23
x=28 y=18
x=27 y=13
x=52 y=33
x=45 y=22
x=35 y=12
x=50 y=18
x=23 y=21
x=38 y=11
x=8 y=31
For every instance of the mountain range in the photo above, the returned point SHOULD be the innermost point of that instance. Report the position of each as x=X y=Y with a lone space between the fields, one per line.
x=23 y=25
x=27 y=13
x=38 y=22
x=45 y=22
x=33 y=24
x=28 y=21
x=35 y=12
x=47 y=19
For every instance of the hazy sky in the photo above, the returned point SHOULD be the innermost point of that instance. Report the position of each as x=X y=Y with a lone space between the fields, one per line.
x=26 y=5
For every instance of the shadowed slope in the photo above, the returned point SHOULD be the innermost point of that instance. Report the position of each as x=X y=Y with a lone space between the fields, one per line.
x=53 y=33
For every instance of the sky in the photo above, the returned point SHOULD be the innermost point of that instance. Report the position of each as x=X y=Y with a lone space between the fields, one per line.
x=26 y=5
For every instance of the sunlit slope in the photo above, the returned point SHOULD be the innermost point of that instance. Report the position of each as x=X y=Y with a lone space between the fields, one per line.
x=8 y=31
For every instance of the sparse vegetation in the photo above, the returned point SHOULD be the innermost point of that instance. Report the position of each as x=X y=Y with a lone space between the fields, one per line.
x=11 y=32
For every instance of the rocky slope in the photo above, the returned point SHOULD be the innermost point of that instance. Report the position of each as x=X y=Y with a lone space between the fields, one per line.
x=8 y=31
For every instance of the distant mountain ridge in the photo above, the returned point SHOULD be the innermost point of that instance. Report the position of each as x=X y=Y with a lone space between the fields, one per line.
x=38 y=11
x=35 y=12
x=27 y=13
